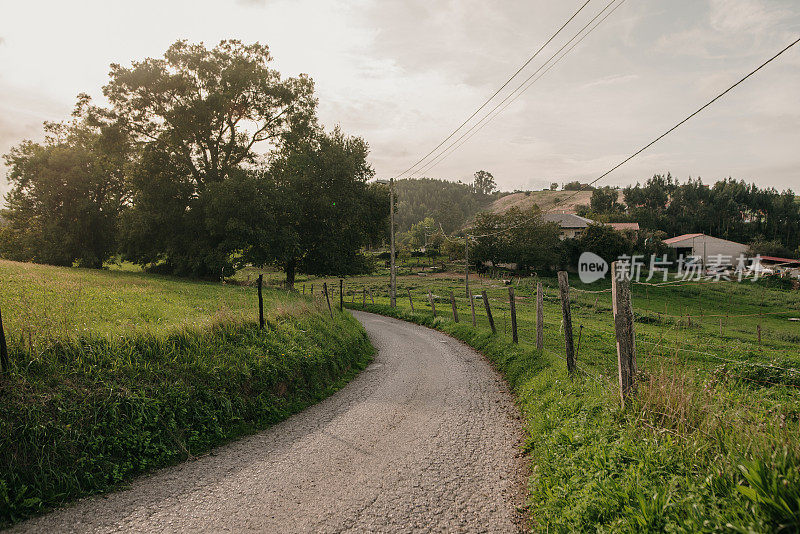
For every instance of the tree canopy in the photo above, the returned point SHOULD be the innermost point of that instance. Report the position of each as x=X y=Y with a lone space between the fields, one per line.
x=67 y=194
x=483 y=183
x=204 y=111
x=205 y=159
x=516 y=236
x=730 y=209
x=326 y=210
x=449 y=204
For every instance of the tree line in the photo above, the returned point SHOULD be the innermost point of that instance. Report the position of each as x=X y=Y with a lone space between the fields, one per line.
x=202 y=161
x=450 y=204
x=764 y=218
x=524 y=238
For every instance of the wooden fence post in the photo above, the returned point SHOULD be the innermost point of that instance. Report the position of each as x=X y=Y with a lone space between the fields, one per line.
x=513 y=305
x=563 y=286
x=760 y=317
x=488 y=311
x=341 y=294
x=372 y=300
x=312 y=289
x=539 y=316
x=304 y=289
x=4 y=365
x=327 y=297
x=433 y=306
x=260 y=302
x=363 y=297
x=410 y=300
x=624 y=327
x=453 y=304
x=472 y=307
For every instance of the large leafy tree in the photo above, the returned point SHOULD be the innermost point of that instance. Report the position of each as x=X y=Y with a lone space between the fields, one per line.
x=420 y=233
x=604 y=200
x=321 y=209
x=601 y=239
x=199 y=116
x=516 y=236
x=483 y=183
x=206 y=110
x=67 y=193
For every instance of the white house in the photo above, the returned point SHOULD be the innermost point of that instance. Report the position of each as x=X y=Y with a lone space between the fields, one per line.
x=571 y=225
x=703 y=247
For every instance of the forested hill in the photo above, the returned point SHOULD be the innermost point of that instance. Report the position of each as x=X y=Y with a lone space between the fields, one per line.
x=450 y=203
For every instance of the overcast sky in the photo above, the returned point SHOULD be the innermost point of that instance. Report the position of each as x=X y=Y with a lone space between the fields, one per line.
x=404 y=73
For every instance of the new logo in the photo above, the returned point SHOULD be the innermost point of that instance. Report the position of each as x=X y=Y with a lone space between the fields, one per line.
x=591 y=267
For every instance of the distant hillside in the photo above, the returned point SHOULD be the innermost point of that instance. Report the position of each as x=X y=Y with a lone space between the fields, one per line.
x=544 y=199
x=451 y=204
x=454 y=204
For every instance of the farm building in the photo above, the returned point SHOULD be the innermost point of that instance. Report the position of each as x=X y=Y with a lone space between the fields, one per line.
x=703 y=247
x=571 y=225
x=777 y=265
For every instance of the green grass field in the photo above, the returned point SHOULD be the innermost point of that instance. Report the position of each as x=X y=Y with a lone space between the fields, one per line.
x=711 y=441
x=116 y=373
x=59 y=301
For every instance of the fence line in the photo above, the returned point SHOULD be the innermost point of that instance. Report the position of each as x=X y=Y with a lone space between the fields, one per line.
x=652 y=343
x=730 y=360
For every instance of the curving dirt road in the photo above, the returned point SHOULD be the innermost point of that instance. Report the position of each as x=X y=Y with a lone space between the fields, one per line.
x=425 y=439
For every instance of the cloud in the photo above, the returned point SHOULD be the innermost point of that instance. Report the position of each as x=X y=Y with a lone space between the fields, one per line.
x=613 y=79
x=470 y=42
x=730 y=28
x=403 y=74
x=752 y=17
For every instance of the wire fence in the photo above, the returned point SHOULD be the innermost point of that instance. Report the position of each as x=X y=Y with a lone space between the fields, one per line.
x=683 y=336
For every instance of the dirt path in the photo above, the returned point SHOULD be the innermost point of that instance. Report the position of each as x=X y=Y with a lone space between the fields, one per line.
x=426 y=439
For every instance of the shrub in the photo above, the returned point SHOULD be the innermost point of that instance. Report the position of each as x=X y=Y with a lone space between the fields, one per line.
x=82 y=415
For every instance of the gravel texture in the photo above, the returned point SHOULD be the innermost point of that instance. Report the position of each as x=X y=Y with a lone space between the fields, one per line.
x=427 y=438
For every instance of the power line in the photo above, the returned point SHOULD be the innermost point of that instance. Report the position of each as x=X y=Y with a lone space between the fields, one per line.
x=514 y=95
x=701 y=108
x=498 y=91
x=660 y=137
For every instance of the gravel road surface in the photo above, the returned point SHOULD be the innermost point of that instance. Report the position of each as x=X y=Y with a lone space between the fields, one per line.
x=427 y=438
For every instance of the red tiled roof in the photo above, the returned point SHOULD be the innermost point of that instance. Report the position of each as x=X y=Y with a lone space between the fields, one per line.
x=624 y=226
x=680 y=238
x=779 y=260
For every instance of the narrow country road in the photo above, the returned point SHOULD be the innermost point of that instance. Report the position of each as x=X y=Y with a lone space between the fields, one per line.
x=425 y=439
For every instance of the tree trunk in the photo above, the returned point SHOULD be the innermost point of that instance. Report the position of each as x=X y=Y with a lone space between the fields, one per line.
x=289 y=268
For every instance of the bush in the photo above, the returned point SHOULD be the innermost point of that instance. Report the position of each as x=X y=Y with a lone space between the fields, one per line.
x=83 y=415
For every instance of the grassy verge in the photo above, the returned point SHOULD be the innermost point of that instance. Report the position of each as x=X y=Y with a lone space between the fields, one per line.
x=83 y=411
x=720 y=467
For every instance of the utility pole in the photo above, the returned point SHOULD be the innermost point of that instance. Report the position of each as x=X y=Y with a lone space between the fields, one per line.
x=466 y=265
x=393 y=280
